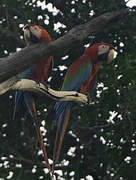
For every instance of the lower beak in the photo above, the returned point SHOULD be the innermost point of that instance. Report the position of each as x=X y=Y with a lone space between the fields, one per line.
x=26 y=33
x=110 y=56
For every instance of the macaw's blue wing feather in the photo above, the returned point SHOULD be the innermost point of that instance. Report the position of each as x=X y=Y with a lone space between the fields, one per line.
x=22 y=102
x=20 y=95
x=59 y=108
x=62 y=125
x=30 y=104
x=18 y=102
x=28 y=72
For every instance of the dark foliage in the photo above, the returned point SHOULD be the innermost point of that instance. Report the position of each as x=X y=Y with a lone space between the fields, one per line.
x=100 y=139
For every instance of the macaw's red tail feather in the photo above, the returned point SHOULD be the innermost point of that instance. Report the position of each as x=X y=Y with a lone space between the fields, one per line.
x=59 y=136
x=39 y=134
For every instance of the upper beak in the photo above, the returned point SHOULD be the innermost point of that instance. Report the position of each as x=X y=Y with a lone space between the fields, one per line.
x=26 y=27
x=26 y=30
x=111 y=55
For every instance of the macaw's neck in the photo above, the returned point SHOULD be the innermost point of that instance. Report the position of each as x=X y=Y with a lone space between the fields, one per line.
x=93 y=54
x=45 y=37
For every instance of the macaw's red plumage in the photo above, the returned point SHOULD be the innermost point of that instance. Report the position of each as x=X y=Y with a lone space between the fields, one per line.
x=79 y=77
x=39 y=72
x=37 y=34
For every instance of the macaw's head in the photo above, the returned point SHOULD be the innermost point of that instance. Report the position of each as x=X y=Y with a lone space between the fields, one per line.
x=35 y=34
x=101 y=52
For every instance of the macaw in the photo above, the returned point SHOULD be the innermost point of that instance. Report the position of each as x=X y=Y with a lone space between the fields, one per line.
x=79 y=77
x=39 y=72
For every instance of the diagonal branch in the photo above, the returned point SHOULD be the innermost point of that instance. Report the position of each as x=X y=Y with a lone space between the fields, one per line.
x=18 y=62
x=37 y=87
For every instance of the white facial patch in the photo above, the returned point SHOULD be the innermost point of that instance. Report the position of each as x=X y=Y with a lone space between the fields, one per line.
x=102 y=49
x=36 y=31
x=26 y=34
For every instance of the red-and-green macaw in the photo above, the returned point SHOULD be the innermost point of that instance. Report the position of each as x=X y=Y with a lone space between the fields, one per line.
x=39 y=72
x=79 y=77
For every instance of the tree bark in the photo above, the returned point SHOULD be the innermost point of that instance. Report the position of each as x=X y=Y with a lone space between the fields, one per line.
x=19 y=61
x=37 y=87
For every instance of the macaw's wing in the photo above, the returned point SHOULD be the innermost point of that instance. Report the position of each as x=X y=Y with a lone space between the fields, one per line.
x=89 y=85
x=38 y=71
x=28 y=72
x=18 y=103
x=22 y=102
x=77 y=74
x=19 y=95
x=62 y=125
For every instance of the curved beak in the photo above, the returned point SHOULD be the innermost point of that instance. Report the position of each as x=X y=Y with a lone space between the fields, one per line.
x=26 y=34
x=26 y=27
x=26 y=30
x=110 y=55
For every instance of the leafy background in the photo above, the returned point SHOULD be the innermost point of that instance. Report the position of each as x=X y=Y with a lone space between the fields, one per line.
x=100 y=140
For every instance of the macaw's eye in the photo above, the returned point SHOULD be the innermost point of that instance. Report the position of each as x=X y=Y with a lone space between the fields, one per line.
x=35 y=28
x=103 y=46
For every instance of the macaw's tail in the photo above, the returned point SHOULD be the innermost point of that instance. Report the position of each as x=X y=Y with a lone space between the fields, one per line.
x=39 y=134
x=62 y=114
x=26 y=99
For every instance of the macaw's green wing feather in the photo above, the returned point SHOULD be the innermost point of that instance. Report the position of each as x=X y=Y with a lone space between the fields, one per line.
x=77 y=74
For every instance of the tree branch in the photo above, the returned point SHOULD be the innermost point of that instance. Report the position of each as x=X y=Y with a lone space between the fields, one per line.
x=18 y=62
x=37 y=87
